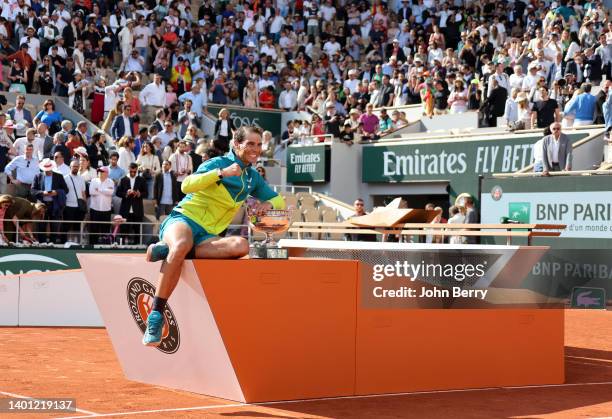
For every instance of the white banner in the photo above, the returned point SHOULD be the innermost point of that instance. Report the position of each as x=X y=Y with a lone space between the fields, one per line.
x=586 y=214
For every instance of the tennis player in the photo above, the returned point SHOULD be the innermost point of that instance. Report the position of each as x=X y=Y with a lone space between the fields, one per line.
x=215 y=192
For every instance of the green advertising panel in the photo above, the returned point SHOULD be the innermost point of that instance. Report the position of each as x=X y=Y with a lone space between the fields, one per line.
x=587 y=297
x=265 y=119
x=24 y=260
x=308 y=164
x=460 y=162
x=582 y=255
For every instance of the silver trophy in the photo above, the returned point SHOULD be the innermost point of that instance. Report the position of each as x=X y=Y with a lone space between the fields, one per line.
x=271 y=222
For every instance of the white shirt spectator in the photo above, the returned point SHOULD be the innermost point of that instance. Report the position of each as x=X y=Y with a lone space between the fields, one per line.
x=135 y=64
x=516 y=81
x=126 y=156
x=153 y=95
x=21 y=143
x=141 y=42
x=327 y=12
x=352 y=85
x=63 y=170
x=76 y=189
x=276 y=24
x=269 y=50
x=331 y=48
x=33 y=47
x=181 y=163
x=287 y=100
x=101 y=194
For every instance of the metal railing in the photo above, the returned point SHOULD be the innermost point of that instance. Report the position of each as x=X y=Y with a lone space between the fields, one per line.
x=137 y=236
x=291 y=188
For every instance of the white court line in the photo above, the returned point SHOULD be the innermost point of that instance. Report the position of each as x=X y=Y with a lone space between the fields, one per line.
x=19 y=396
x=367 y=396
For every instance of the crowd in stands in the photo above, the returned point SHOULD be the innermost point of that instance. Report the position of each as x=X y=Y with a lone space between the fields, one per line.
x=145 y=72
x=331 y=57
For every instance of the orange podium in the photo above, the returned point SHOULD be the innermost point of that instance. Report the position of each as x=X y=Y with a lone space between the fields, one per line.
x=269 y=330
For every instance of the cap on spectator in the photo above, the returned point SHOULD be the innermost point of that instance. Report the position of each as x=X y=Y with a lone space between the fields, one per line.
x=354 y=111
x=263 y=38
x=127 y=22
x=395 y=40
x=77 y=71
x=9 y=124
x=270 y=69
x=251 y=44
x=352 y=71
x=330 y=105
x=46 y=165
x=103 y=169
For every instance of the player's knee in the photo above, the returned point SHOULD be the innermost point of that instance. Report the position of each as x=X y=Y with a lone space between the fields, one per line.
x=179 y=250
x=240 y=246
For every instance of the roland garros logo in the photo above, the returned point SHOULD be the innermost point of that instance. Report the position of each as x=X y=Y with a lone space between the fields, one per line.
x=140 y=294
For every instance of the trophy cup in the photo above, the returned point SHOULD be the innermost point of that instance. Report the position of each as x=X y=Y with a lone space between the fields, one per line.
x=269 y=223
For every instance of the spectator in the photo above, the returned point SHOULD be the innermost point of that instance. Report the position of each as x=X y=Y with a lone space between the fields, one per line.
x=21 y=171
x=456 y=216
x=115 y=172
x=125 y=147
x=511 y=109
x=76 y=199
x=77 y=92
x=545 y=111
x=86 y=172
x=132 y=189
x=556 y=151
x=30 y=138
x=538 y=156
x=168 y=134
x=182 y=166
x=166 y=191
x=148 y=164
x=359 y=207
x=458 y=98
x=49 y=116
x=224 y=130
x=59 y=146
x=19 y=114
x=493 y=106
x=101 y=191
x=98 y=156
x=369 y=124
x=60 y=166
x=19 y=214
x=49 y=187
x=74 y=141
x=42 y=133
x=583 y=106
x=123 y=125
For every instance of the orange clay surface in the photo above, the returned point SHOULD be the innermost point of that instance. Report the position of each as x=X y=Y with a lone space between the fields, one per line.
x=81 y=364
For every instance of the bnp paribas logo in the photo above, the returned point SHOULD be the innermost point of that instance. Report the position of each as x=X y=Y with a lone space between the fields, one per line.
x=519 y=211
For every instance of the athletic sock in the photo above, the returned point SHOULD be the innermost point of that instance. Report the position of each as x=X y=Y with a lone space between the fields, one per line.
x=159 y=304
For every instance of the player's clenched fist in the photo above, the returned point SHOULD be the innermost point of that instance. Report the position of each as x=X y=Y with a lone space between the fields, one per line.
x=233 y=170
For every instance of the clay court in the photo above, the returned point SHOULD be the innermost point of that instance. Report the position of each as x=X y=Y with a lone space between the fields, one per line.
x=81 y=364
